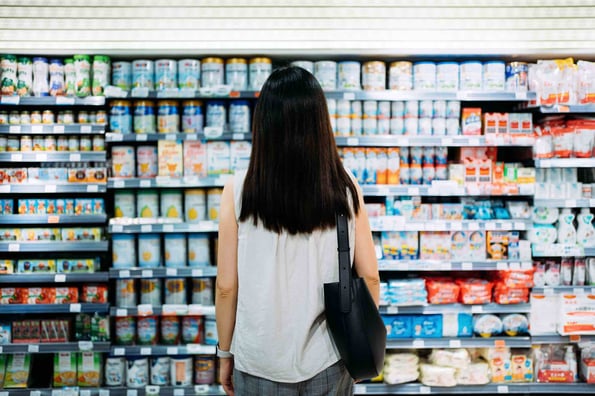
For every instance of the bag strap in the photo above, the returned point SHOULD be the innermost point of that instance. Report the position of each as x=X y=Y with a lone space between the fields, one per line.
x=344 y=264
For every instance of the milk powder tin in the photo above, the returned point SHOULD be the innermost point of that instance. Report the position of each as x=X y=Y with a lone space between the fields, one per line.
x=424 y=76
x=236 y=74
x=170 y=328
x=239 y=116
x=202 y=291
x=453 y=109
x=149 y=250
x=471 y=75
x=175 y=252
x=214 y=203
x=150 y=291
x=195 y=205
x=137 y=373
x=146 y=161
x=349 y=75
x=411 y=109
x=343 y=125
x=326 y=74
x=181 y=370
x=447 y=76
x=147 y=203
x=171 y=204
x=160 y=370
x=259 y=70
x=439 y=126
x=123 y=161
x=144 y=116
x=516 y=76
x=400 y=76
x=122 y=75
x=424 y=126
x=216 y=113
x=356 y=118
x=82 y=73
x=146 y=330
x=101 y=74
x=125 y=293
x=397 y=125
x=165 y=74
x=143 y=74
x=411 y=126
x=204 y=369
x=370 y=117
x=124 y=203
x=212 y=72
x=167 y=116
x=211 y=336
x=426 y=109
x=120 y=117
x=125 y=330
x=198 y=250
x=192 y=116
x=189 y=74
x=175 y=290
x=383 y=117
x=304 y=64
x=439 y=108
x=374 y=76
x=192 y=329
x=453 y=126
x=494 y=76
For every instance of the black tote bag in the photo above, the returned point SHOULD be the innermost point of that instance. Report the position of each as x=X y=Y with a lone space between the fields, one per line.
x=352 y=317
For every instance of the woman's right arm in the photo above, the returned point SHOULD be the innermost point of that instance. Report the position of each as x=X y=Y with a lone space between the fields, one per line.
x=365 y=262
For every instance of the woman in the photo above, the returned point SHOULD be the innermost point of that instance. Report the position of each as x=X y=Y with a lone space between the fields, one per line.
x=278 y=246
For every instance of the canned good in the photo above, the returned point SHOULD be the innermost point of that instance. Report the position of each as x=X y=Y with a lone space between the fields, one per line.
x=175 y=252
x=160 y=369
x=14 y=118
x=57 y=84
x=125 y=293
x=125 y=330
x=494 y=75
x=167 y=116
x=192 y=329
x=397 y=125
x=374 y=76
x=411 y=126
x=82 y=72
x=370 y=117
x=146 y=330
x=426 y=108
x=471 y=75
x=202 y=291
x=439 y=126
x=424 y=126
x=424 y=75
x=73 y=143
x=83 y=117
x=411 y=109
x=69 y=77
x=326 y=74
x=144 y=116
x=516 y=76
x=8 y=74
x=400 y=76
x=212 y=72
x=98 y=142
x=121 y=75
x=428 y=174
x=165 y=74
x=170 y=327
x=49 y=143
x=356 y=117
x=122 y=161
x=447 y=76
x=115 y=369
x=441 y=155
x=120 y=118
x=349 y=75
x=214 y=203
x=216 y=113
x=192 y=116
x=4 y=117
x=211 y=337
x=150 y=289
x=47 y=117
x=304 y=64
x=198 y=250
x=149 y=250
x=146 y=161
x=137 y=372
x=259 y=70
x=343 y=125
x=239 y=116
x=101 y=74
x=100 y=117
x=142 y=74
x=147 y=203
x=26 y=143
x=439 y=108
x=40 y=76
x=236 y=74
x=181 y=370
x=25 y=118
x=453 y=109
x=204 y=370
x=124 y=204
x=189 y=74
x=453 y=126
x=171 y=204
x=195 y=205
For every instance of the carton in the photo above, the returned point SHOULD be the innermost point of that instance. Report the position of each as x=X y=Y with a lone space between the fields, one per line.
x=170 y=158
x=218 y=158
x=240 y=155
x=195 y=158
x=64 y=369
x=471 y=121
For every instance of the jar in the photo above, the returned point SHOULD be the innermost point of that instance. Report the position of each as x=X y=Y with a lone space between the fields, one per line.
x=35 y=117
x=216 y=113
x=239 y=116
x=25 y=118
x=85 y=143
x=167 y=116
x=83 y=117
x=101 y=74
x=49 y=143
x=212 y=72
x=192 y=116
x=374 y=76
x=57 y=85
x=24 y=76
x=73 y=143
x=259 y=70
x=100 y=117
x=165 y=74
x=40 y=76
x=349 y=75
x=47 y=117
x=14 y=118
x=38 y=143
x=62 y=143
x=516 y=76
x=13 y=143
x=68 y=117
x=326 y=74
x=120 y=119
x=82 y=71
x=4 y=117
x=121 y=75
x=8 y=75
x=236 y=74
x=189 y=74
x=401 y=76
x=26 y=143
x=144 y=116
x=142 y=74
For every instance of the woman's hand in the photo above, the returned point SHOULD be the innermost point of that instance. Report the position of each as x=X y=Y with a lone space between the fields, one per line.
x=225 y=373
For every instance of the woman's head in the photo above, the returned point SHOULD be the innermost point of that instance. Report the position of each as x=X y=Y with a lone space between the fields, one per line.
x=295 y=181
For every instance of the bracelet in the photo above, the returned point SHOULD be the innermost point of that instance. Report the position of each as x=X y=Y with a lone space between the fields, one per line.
x=223 y=354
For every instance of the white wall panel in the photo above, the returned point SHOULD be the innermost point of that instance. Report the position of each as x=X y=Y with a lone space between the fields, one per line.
x=284 y=27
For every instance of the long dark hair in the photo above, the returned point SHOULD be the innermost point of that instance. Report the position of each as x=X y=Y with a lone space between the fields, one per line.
x=296 y=181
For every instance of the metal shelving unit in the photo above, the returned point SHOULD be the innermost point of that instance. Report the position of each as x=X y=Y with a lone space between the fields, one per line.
x=100 y=246
x=448 y=308
x=458 y=342
x=154 y=137
x=54 y=278
x=564 y=290
x=565 y=162
x=437 y=265
x=565 y=203
x=115 y=273
x=449 y=141
x=52 y=219
x=559 y=339
x=165 y=309
x=194 y=390
x=53 y=308
x=51 y=129
x=159 y=182
x=151 y=350
x=55 y=347
x=398 y=223
x=203 y=93
x=53 y=188
x=522 y=388
x=443 y=189
x=590 y=108
x=52 y=100
x=203 y=226
x=53 y=156
x=431 y=95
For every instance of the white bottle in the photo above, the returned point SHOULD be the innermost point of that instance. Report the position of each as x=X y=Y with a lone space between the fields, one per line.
x=585 y=233
x=566 y=230
x=570 y=359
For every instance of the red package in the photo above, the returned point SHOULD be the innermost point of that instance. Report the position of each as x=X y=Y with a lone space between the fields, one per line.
x=517 y=278
x=510 y=295
x=475 y=291
x=442 y=291
x=66 y=295
x=96 y=294
x=10 y=295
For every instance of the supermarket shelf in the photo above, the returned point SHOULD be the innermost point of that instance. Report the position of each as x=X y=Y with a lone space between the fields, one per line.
x=458 y=342
x=183 y=182
x=53 y=188
x=52 y=219
x=590 y=108
x=151 y=350
x=100 y=246
x=565 y=163
x=154 y=137
x=560 y=250
x=45 y=129
x=431 y=95
x=54 y=347
x=565 y=203
x=119 y=391
x=52 y=100
x=165 y=309
x=560 y=339
x=564 y=290
x=437 y=309
x=54 y=278
x=399 y=223
x=54 y=156
x=53 y=308
x=442 y=188
x=438 y=265
x=163 y=272
x=203 y=93
x=489 y=389
x=589 y=251
x=203 y=226
x=450 y=141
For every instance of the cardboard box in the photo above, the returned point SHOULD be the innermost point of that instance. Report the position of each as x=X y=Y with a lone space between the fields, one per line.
x=240 y=155
x=576 y=314
x=471 y=121
x=170 y=158
x=195 y=158
x=218 y=158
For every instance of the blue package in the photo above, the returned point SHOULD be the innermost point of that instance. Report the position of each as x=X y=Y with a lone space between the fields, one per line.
x=427 y=326
x=398 y=326
x=501 y=213
x=457 y=324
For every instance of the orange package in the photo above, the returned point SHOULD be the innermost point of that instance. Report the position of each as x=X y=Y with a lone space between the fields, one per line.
x=510 y=295
x=96 y=294
x=66 y=295
x=475 y=291
x=442 y=291
x=39 y=295
x=516 y=278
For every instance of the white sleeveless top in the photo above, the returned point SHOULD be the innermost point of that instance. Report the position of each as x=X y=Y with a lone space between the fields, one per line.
x=280 y=332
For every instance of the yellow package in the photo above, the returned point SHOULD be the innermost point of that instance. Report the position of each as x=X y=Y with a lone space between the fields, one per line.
x=65 y=369
x=17 y=370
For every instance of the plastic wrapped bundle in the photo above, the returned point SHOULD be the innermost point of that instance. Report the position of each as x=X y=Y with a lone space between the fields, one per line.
x=457 y=358
x=400 y=368
x=432 y=375
x=476 y=373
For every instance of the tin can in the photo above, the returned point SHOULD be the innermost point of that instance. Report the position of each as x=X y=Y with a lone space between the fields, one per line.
x=370 y=117
x=383 y=117
x=125 y=293
x=516 y=76
x=195 y=205
x=259 y=70
x=471 y=75
x=170 y=328
x=98 y=143
x=192 y=116
x=49 y=143
x=26 y=143
x=400 y=76
x=82 y=72
x=356 y=118
x=216 y=113
x=453 y=126
x=236 y=74
x=57 y=86
x=160 y=370
x=198 y=250
x=428 y=174
x=137 y=372
x=149 y=250
x=165 y=74
x=175 y=252
x=40 y=76
x=125 y=330
x=304 y=64
x=214 y=203
x=441 y=155
x=73 y=143
x=143 y=74
x=24 y=76
x=192 y=329
x=239 y=116
x=147 y=203
x=8 y=75
x=424 y=76
x=343 y=125
x=424 y=126
x=411 y=126
x=122 y=161
x=122 y=75
x=120 y=117
x=124 y=203
x=101 y=74
x=25 y=118
x=453 y=109
x=426 y=109
x=447 y=76
x=202 y=291
x=167 y=116
x=439 y=108
x=146 y=330
x=397 y=125
x=349 y=75
x=494 y=76
x=439 y=126
x=440 y=172
x=204 y=370
x=150 y=290
x=189 y=74
x=115 y=371
x=144 y=116
x=69 y=77
x=374 y=76
x=181 y=370
x=411 y=109
x=212 y=72
x=171 y=204
x=326 y=74
x=146 y=161
x=211 y=336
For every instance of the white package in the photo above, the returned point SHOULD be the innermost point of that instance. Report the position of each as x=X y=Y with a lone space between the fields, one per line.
x=457 y=358
x=477 y=373
x=542 y=319
x=431 y=375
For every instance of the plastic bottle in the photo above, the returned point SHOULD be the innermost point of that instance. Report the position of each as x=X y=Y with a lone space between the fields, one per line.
x=585 y=233
x=566 y=230
x=570 y=359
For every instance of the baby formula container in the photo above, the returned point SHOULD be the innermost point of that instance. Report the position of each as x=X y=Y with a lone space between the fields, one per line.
x=150 y=291
x=349 y=75
x=24 y=75
x=143 y=75
x=494 y=76
x=146 y=330
x=400 y=76
x=304 y=64
x=101 y=74
x=144 y=116
x=8 y=75
x=204 y=369
x=123 y=161
x=124 y=203
x=122 y=75
x=516 y=76
x=370 y=117
x=192 y=116
x=424 y=76
x=40 y=76
x=82 y=74
x=326 y=74
x=146 y=161
x=166 y=74
x=120 y=117
x=259 y=70
x=171 y=204
x=202 y=291
x=214 y=203
x=212 y=72
x=239 y=116
x=149 y=250
x=56 y=85
x=374 y=76
x=471 y=75
x=198 y=250
x=147 y=203
x=447 y=76
x=195 y=205
x=137 y=373
x=175 y=291
x=175 y=251
x=160 y=370
x=167 y=116
x=236 y=74
x=123 y=251
x=216 y=113
x=189 y=74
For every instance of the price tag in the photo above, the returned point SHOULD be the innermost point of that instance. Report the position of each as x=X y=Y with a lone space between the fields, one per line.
x=352 y=141
x=121 y=312
x=499 y=343
x=192 y=136
x=446 y=266
x=14 y=129
x=418 y=344
x=50 y=188
x=197 y=272
x=144 y=309
x=131 y=392
x=178 y=392
x=16 y=157
x=147 y=273
x=202 y=389
x=13 y=99
x=412 y=191
x=55 y=392
x=515 y=266
x=474 y=142
x=14 y=247
x=145 y=351
x=119 y=351
x=349 y=96
x=36 y=128
x=35 y=393
x=86 y=345
x=124 y=274
x=117 y=228
x=476 y=309
x=146 y=228
x=76 y=157
x=520 y=226
x=64 y=100
x=140 y=92
x=86 y=129
x=501 y=266
x=548 y=291
x=145 y=183
x=58 y=129
x=578 y=290
x=237 y=136
x=172 y=350
x=490 y=226
x=425 y=390
x=171 y=271
x=456 y=226
x=502 y=389
x=520 y=95
x=92 y=188
x=467 y=266
x=32 y=348
x=392 y=309
x=473 y=226
x=75 y=308
x=574 y=338
x=115 y=137
x=359 y=389
x=84 y=392
x=41 y=157
x=454 y=343
x=446 y=141
x=142 y=137
x=213 y=132
x=169 y=136
x=570 y=203
x=60 y=278
x=119 y=184
x=168 y=228
x=104 y=392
